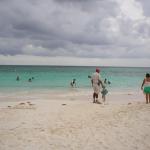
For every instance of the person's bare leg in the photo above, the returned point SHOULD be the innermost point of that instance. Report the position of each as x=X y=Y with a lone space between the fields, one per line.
x=104 y=99
x=146 y=98
x=94 y=96
x=98 y=102
x=149 y=97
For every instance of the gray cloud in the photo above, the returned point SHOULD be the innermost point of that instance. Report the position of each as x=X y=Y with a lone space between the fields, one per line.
x=81 y=28
x=146 y=6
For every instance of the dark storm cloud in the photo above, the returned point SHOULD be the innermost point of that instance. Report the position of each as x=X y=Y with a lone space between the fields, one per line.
x=82 y=28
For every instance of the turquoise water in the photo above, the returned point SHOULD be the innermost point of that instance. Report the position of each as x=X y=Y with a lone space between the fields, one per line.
x=59 y=77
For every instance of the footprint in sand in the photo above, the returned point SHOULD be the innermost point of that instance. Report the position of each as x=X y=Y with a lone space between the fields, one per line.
x=27 y=105
x=63 y=104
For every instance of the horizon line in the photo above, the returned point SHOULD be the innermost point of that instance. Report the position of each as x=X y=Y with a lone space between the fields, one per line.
x=75 y=65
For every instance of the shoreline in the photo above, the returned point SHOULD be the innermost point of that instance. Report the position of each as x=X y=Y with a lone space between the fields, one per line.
x=72 y=94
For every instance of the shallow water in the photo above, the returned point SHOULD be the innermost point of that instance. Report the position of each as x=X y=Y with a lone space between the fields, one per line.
x=59 y=77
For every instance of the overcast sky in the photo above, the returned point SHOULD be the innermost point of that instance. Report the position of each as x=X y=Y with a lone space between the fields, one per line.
x=75 y=32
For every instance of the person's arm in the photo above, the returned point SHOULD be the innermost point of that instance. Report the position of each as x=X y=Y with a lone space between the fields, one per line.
x=142 y=84
x=92 y=82
x=100 y=81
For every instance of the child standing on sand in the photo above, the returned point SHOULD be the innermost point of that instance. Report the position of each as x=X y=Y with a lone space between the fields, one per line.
x=104 y=93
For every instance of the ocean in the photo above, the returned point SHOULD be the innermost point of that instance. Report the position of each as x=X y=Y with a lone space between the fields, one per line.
x=59 y=77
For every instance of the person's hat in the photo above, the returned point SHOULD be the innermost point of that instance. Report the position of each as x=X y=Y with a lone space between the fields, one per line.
x=97 y=70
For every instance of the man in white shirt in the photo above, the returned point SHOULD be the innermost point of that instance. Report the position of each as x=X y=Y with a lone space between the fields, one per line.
x=96 y=82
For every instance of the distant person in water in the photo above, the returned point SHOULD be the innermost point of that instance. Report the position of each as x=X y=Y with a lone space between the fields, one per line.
x=30 y=80
x=106 y=82
x=73 y=83
x=109 y=82
x=17 y=79
x=96 y=82
x=146 y=89
x=89 y=76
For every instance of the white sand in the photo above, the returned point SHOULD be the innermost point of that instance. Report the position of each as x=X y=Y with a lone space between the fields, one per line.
x=73 y=123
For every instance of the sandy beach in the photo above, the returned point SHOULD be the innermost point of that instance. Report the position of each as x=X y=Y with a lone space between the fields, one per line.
x=73 y=122
x=56 y=57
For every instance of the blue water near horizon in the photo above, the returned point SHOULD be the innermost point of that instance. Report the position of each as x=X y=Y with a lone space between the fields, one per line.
x=59 y=77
